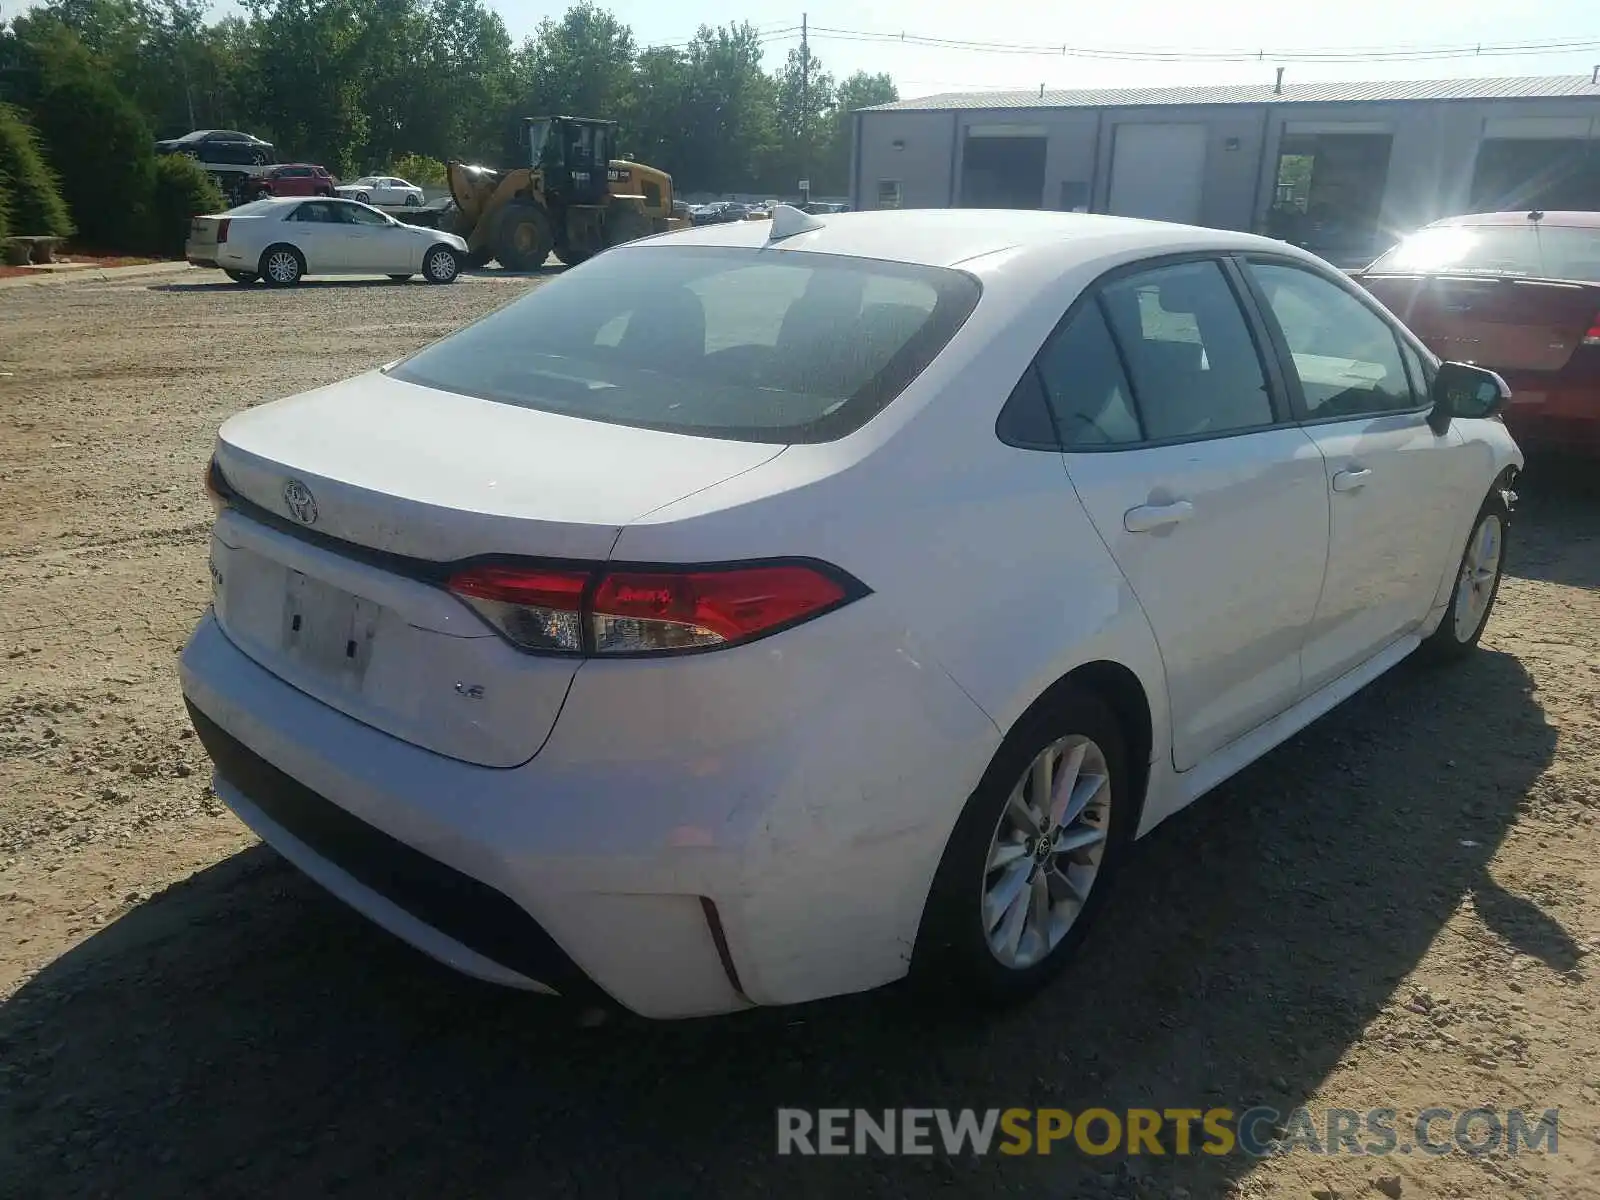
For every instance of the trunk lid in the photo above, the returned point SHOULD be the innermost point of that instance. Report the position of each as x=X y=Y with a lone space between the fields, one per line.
x=382 y=478
x=1503 y=323
x=203 y=233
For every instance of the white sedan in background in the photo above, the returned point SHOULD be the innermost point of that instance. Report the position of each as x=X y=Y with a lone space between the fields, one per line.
x=768 y=610
x=380 y=189
x=282 y=239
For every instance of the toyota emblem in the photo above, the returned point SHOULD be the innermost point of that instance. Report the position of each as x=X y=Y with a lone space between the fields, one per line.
x=302 y=505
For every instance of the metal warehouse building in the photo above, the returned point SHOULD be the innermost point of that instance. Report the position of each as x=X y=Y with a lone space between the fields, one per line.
x=1339 y=167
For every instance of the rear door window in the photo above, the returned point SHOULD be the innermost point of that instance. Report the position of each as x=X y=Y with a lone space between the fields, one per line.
x=758 y=345
x=1194 y=366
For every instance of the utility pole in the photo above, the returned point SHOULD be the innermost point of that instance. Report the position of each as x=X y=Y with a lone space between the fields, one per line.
x=805 y=113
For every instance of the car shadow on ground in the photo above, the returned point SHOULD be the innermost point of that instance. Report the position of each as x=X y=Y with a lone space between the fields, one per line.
x=242 y=1032
x=305 y=285
x=314 y=283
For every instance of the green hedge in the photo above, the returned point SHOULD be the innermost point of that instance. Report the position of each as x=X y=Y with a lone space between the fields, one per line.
x=32 y=197
x=182 y=190
x=102 y=151
x=420 y=170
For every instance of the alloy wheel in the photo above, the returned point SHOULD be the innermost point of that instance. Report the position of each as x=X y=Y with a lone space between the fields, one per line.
x=442 y=266
x=1479 y=568
x=1046 y=851
x=282 y=267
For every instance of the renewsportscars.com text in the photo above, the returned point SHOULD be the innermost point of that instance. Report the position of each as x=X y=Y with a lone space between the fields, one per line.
x=1256 y=1131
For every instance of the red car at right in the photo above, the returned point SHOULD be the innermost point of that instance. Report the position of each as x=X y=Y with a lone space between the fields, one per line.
x=1518 y=293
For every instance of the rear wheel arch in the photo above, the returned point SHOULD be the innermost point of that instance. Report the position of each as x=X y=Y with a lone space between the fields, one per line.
x=1120 y=690
x=261 y=263
x=1101 y=703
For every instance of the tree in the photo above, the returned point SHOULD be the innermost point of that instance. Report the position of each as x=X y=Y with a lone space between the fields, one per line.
x=805 y=103
x=307 y=78
x=654 y=129
x=580 y=66
x=859 y=91
x=358 y=84
x=471 y=76
x=727 y=109
x=182 y=192
x=98 y=144
x=34 y=202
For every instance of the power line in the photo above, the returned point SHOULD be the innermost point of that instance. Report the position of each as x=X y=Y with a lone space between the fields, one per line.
x=763 y=36
x=1404 y=53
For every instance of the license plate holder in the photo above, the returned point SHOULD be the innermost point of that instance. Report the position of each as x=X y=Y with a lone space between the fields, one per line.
x=327 y=630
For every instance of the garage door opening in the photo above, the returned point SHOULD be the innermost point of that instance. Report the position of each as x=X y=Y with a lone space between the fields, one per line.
x=1543 y=173
x=1002 y=172
x=1330 y=193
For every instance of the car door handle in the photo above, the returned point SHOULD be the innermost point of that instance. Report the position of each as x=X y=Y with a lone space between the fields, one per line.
x=1149 y=517
x=1352 y=480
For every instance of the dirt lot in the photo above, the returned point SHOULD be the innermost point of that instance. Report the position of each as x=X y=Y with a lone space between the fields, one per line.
x=1400 y=908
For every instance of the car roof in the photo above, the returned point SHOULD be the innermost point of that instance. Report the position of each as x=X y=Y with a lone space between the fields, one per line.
x=1582 y=220
x=943 y=237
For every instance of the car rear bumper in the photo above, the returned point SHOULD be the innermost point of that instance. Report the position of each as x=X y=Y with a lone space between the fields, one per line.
x=680 y=859
x=1551 y=415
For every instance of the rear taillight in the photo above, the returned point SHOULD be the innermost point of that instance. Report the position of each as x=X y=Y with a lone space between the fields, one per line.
x=1592 y=338
x=213 y=486
x=534 y=609
x=624 y=612
x=222 y=230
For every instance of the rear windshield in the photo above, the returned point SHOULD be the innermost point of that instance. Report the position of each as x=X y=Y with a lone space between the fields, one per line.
x=1533 y=250
x=754 y=345
x=253 y=209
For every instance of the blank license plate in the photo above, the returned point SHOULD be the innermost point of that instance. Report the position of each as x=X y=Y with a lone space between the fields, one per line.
x=328 y=630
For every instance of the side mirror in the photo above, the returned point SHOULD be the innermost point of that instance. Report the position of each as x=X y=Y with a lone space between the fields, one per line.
x=1463 y=390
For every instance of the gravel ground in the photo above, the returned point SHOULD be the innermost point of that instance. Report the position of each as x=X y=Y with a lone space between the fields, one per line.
x=1399 y=908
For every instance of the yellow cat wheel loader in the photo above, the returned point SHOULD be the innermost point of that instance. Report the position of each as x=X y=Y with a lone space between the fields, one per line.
x=572 y=198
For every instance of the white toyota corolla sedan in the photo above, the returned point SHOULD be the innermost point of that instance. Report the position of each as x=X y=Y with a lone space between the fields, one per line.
x=771 y=610
x=282 y=239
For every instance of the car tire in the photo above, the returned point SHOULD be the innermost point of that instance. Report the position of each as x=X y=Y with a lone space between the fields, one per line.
x=1477 y=583
x=441 y=264
x=282 y=265
x=973 y=945
x=401 y=278
x=241 y=276
x=413 y=200
x=364 y=197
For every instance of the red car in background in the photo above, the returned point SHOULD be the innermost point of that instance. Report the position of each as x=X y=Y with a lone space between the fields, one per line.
x=1518 y=293
x=293 y=179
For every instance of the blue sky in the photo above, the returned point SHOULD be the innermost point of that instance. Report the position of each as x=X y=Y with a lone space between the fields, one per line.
x=1177 y=25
